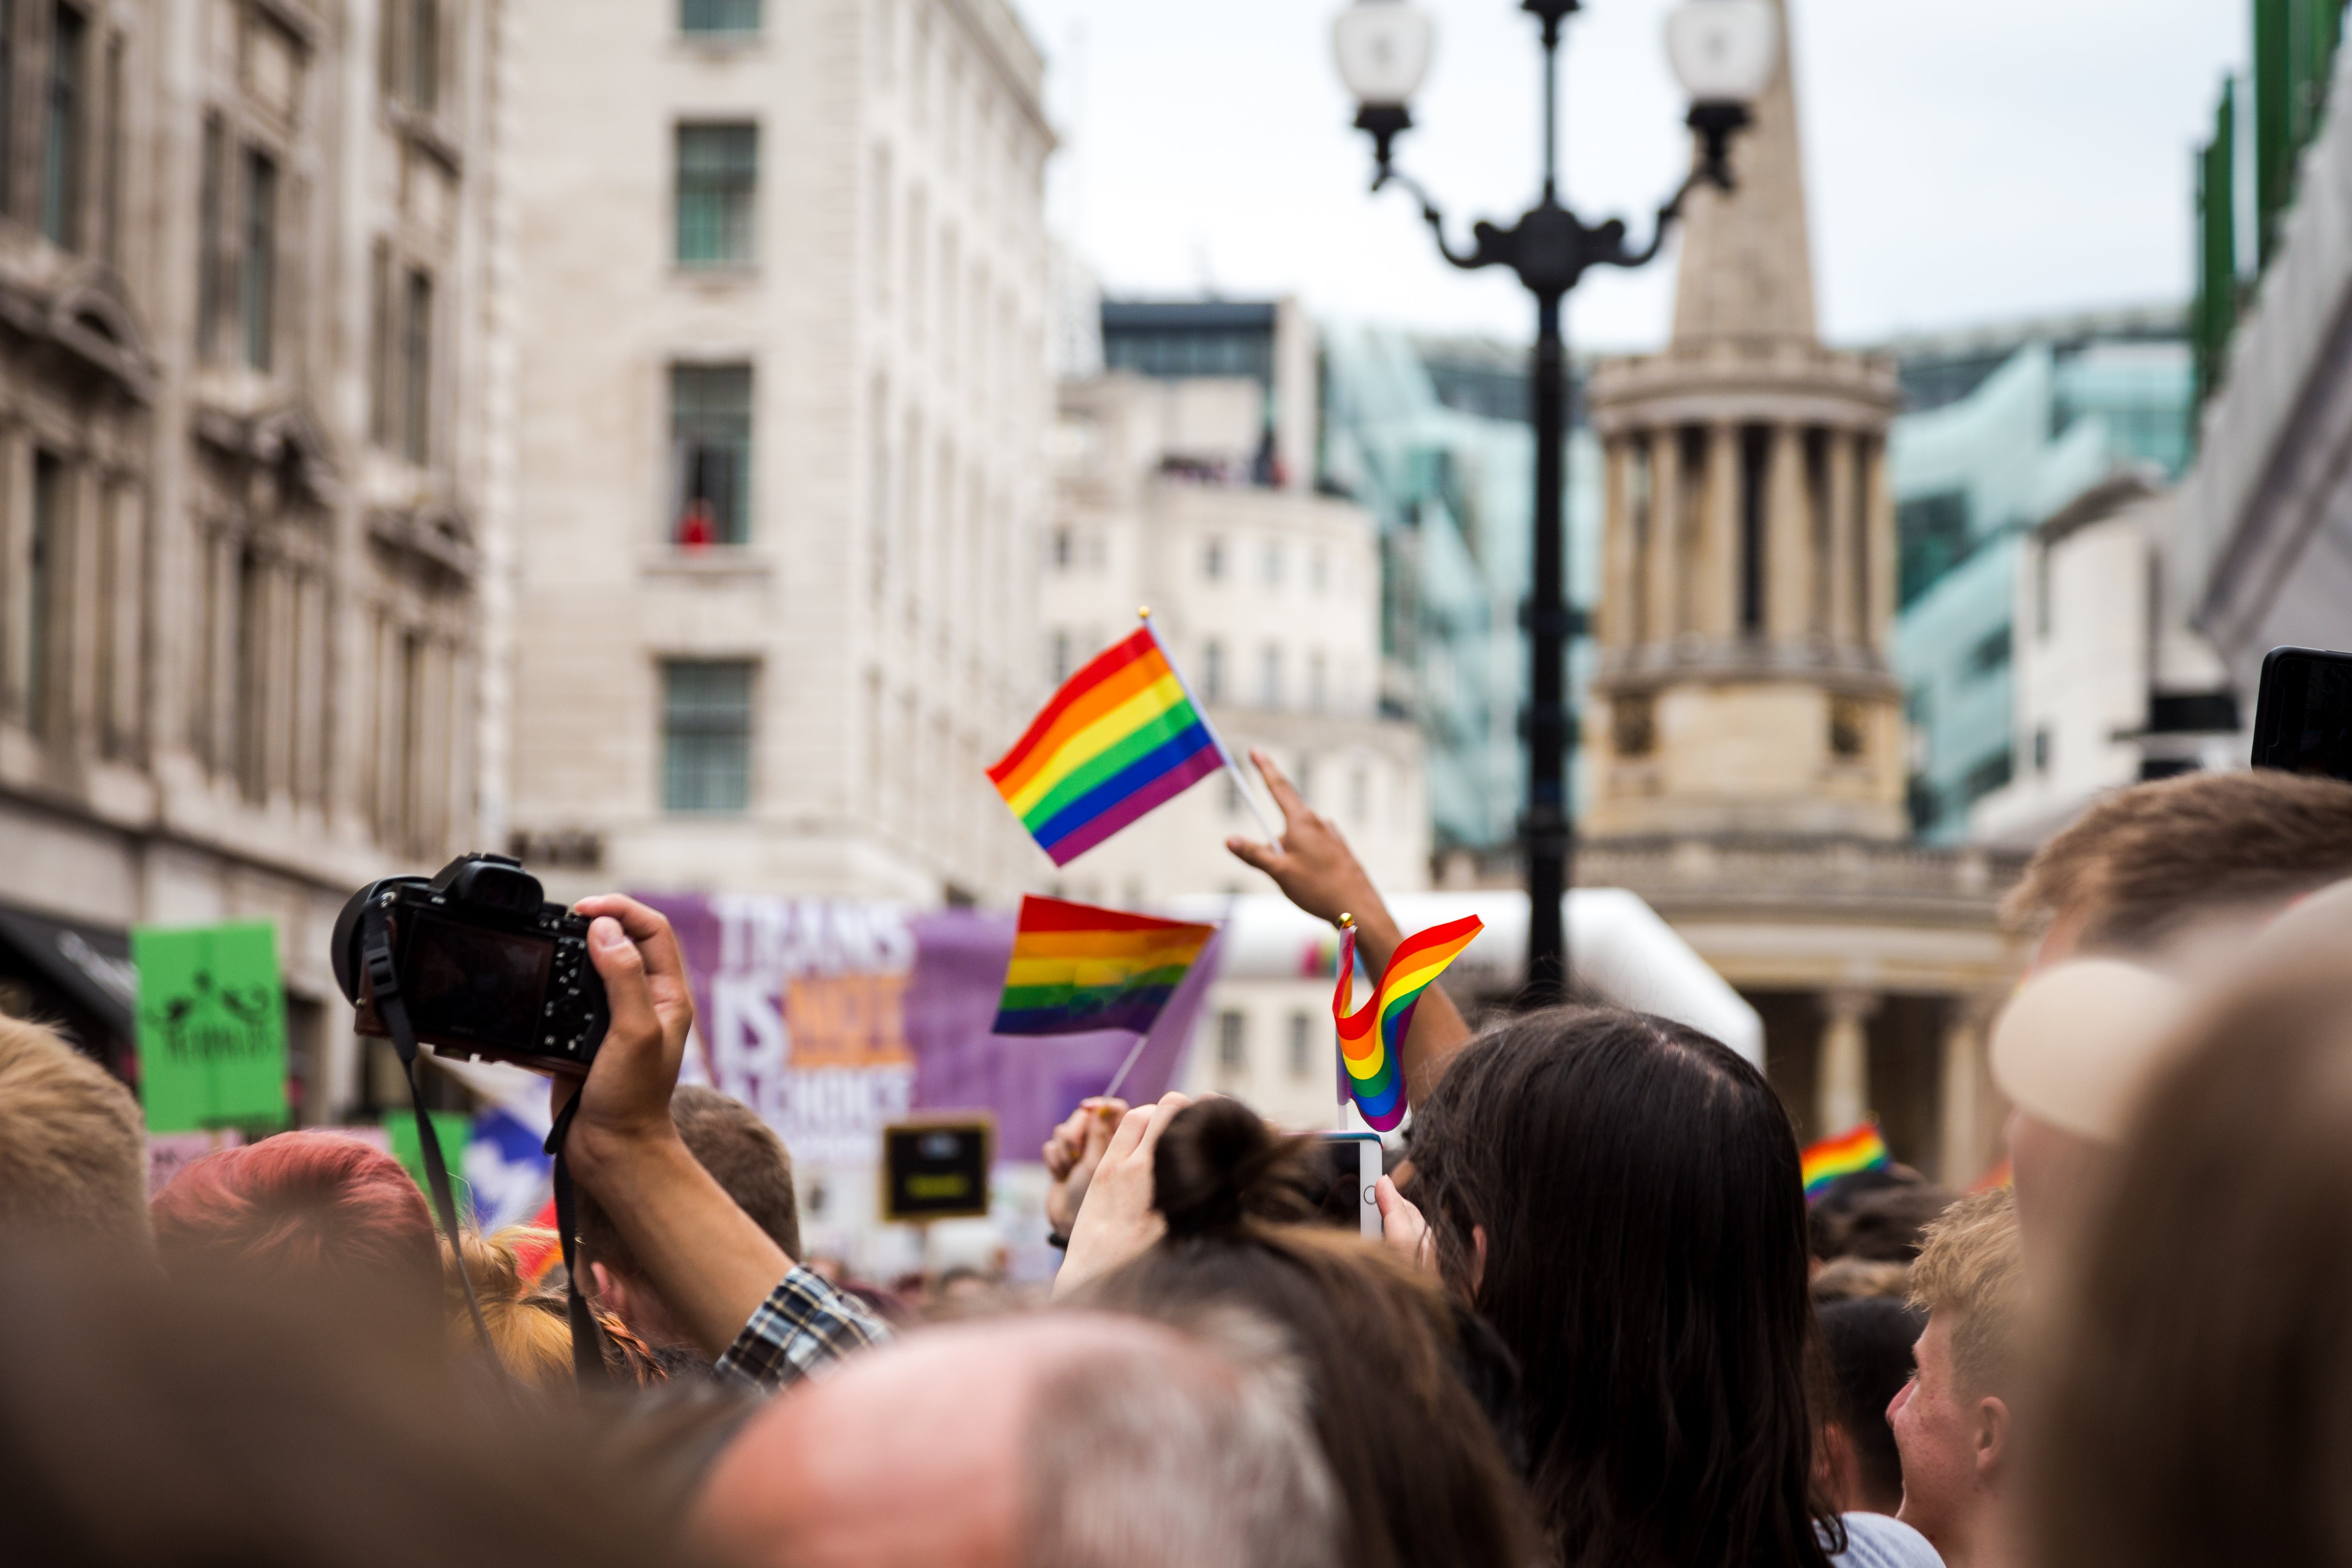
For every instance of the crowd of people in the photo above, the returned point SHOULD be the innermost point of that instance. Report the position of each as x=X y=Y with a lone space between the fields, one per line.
x=1601 y=1325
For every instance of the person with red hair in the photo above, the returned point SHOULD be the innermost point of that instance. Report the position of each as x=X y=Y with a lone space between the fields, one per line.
x=313 y=1213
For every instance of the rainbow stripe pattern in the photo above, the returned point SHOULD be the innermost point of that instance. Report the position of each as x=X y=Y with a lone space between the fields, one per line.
x=1076 y=969
x=1121 y=737
x=1860 y=1150
x=1372 y=1040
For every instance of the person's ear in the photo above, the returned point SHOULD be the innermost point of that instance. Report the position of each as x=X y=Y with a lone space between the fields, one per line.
x=1992 y=1436
x=1477 y=1259
x=602 y=1285
x=1836 y=1464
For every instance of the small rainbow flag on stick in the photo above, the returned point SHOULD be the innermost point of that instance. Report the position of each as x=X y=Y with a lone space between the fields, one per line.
x=1076 y=969
x=1121 y=737
x=1371 y=1041
x=1860 y=1150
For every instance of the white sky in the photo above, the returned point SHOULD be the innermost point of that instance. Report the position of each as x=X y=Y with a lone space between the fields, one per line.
x=1969 y=161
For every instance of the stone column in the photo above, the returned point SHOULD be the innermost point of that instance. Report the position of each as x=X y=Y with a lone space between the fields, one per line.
x=1787 y=541
x=1961 y=1137
x=1620 y=615
x=1841 y=1068
x=1715 y=575
x=1844 y=618
x=1878 y=529
x=1664 y=571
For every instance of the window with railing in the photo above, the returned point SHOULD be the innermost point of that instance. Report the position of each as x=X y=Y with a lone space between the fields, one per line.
x=711 y=434
x=717 y=181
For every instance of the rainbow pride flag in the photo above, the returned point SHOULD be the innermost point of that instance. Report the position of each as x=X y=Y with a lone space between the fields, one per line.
x=1371 y=1041
x=1121 y=737
x=1076 y=969
x=1860 y=1150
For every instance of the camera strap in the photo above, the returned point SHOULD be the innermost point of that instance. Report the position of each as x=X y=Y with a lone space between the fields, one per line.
x=392 y=1009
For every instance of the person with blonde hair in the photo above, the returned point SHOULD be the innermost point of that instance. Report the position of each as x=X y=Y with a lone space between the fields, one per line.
x=1953 y=1422
x=73 y=1144
x=529 y=1325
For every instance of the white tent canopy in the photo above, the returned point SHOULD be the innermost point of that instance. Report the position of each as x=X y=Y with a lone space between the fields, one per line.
x=1620 y=949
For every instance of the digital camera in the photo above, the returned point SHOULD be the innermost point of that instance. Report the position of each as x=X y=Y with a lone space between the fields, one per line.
x=487 y=966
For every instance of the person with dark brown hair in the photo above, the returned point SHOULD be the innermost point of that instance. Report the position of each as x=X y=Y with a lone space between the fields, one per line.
x=751 y=1164
x=1419 y=1468
x=1867 y=1342
x=2201 y=1361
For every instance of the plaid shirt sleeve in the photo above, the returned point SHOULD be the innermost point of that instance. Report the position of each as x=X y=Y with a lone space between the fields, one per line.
x=803 y=1327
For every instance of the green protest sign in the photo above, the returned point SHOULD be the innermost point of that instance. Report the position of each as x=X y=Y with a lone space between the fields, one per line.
x=212 y=1027
x=453 y=1128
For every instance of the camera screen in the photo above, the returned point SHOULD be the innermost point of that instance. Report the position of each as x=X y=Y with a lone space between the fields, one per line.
x=2315 y=735
x=481 y=986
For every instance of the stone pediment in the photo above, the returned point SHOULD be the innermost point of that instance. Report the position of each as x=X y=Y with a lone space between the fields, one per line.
x=284 y=440
x=433 y=531
x=90 y=317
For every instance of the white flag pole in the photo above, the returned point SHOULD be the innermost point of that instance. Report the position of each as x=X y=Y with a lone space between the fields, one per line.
x=1240 y=781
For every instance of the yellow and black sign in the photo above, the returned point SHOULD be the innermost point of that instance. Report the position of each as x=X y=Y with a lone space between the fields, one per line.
x=937 y=1169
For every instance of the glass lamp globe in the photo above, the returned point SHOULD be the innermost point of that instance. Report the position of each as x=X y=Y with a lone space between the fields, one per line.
x=1383 y=47
x=1723 y=51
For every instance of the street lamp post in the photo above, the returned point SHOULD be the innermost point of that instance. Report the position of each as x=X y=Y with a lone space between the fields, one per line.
x=1724 y=52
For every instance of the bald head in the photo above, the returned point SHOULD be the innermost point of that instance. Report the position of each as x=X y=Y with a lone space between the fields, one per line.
x=1068 y=1439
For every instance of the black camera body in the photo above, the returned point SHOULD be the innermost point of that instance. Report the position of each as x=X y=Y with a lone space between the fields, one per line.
x=487 y=968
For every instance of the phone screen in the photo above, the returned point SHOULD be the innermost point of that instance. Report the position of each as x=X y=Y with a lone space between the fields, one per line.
x=1347 y=1201
x=2303 y=722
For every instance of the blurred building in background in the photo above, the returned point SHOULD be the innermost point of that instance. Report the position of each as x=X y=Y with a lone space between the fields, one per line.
x=2260 y=555
x=1748 y=739
x=779 y=310
x=243 y=480
x=1172 y=491
x=2008 y=431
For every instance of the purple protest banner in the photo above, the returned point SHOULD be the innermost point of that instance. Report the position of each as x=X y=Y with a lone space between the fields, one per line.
x=834 y=1017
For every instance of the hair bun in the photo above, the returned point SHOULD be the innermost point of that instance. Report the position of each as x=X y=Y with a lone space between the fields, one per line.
x=1218 y=1165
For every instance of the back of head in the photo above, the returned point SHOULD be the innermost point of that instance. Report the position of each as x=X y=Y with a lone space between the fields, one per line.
x=1971 y=1273
x=743 y=1155
x=1419 y=1465
x=141 y=1429
x=1867 y=1341
x=2147 y=863
x=1054 y=1440
x=1888 y=1226
x=73 y=1150
x=308 y=1213
x=1645 y=1257
x=2199 y=1374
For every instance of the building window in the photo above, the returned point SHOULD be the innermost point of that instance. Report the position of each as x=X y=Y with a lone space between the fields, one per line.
x=1634 y=724
x=717 y=174
x=416 y=370
x=41 y=596
x=1319 y=569
x=1060 y=659
x=260 y=276
x=706 y=736
x=1063 y=549
x=425 y=55
x=110 y=198
x=1274 y=565
x=62 y=147
x=1213 y=561
x=1315 y=682
x=1213 y=672
x=382 y=311
x=1990 y=655
x=212 y=249
x=1849 y=726
x=1232 y=1042
x=250 y=622
x=702 y=18
x=710 y=433
x=1302 y=1045
x=2041 y=748
x=1269 y=678
x=7 y=103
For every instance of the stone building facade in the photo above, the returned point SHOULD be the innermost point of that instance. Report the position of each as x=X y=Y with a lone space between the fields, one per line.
x=1748 y=748
x=779 y=322
x=242 y=251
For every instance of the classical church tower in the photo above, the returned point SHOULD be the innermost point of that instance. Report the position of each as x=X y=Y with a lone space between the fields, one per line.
x=1749 y=591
